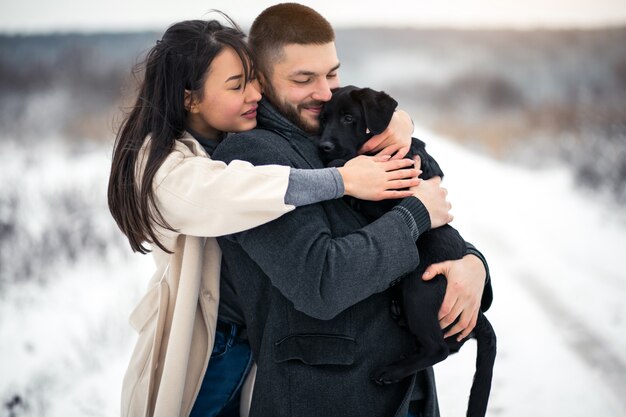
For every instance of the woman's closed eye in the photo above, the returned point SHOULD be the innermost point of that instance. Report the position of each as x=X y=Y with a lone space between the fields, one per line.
x=235 y=82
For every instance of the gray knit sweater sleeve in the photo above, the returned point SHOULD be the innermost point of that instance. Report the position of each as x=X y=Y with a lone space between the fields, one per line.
x=308 y=186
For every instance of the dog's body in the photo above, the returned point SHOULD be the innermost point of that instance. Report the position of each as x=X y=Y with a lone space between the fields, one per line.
x=351 y=117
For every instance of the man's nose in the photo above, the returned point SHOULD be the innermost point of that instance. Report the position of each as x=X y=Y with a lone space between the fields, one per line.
x=322 y=91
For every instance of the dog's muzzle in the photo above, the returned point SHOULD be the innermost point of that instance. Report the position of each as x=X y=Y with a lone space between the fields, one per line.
x=326 y=146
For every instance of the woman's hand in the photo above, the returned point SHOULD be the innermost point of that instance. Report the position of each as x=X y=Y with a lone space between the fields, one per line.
x=395 y=140
x=379 y=178
x=466 y=281
x=434 y=197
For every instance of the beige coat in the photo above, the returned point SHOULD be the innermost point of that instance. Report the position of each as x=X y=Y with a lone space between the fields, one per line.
x=176 y=318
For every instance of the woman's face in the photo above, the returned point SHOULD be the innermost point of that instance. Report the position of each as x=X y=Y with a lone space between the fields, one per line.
x=227 y=105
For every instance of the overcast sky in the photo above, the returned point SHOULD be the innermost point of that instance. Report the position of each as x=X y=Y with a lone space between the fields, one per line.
x=82 y=15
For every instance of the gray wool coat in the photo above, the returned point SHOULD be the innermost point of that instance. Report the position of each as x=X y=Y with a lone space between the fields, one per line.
x=313 y=288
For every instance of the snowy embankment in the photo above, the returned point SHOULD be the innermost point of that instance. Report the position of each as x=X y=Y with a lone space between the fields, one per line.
x=555 y=254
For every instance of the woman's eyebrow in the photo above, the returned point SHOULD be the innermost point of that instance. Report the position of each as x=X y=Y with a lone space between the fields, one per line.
x=234 y=77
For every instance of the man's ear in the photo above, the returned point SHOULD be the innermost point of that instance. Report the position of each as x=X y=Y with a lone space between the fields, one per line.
x=191 y=104
x=378 y=108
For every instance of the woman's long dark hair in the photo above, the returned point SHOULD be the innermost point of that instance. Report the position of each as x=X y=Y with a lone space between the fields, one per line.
x=178 y=62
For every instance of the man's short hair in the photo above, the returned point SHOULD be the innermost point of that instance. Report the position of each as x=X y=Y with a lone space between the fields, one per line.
x=284 y=24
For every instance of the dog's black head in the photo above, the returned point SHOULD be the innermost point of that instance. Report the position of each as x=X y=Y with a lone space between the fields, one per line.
x=349 y=119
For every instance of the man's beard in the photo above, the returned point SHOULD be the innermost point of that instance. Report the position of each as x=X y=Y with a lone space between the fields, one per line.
x=291 y=112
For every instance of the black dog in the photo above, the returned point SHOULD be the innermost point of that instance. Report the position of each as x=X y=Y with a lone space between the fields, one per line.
x=348 y=120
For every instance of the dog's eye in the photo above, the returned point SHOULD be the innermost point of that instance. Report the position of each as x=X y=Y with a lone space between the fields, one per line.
x=347 y=118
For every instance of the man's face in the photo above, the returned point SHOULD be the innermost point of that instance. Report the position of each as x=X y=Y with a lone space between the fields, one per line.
x=301 y=82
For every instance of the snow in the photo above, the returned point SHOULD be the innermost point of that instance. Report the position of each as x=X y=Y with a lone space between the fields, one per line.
x=64 y=337
x=554 y=250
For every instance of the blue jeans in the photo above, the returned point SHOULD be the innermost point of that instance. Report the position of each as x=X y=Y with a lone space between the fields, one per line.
x=230 y=363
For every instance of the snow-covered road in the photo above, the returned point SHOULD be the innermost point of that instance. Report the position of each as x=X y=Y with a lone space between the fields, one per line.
x=555 y=254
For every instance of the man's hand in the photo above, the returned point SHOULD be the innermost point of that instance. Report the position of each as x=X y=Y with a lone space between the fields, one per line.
x=466 y=281
x=395 y=140
x=433 y=197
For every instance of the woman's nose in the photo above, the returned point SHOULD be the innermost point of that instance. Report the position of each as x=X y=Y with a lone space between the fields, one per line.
x=253 y=91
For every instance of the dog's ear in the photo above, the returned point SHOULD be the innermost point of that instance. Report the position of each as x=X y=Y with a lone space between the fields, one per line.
x=378 y=108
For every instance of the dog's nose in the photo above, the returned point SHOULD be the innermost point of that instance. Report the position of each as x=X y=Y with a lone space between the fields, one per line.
x=327 y=146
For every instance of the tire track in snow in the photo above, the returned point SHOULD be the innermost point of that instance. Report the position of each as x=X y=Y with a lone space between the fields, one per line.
x=582 y=339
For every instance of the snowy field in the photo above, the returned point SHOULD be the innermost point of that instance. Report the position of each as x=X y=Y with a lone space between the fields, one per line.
x=555 y=253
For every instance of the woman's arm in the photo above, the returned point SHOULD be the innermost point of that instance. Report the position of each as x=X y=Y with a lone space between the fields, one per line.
x=202 y=197
x=368 y=178
x=198 y=196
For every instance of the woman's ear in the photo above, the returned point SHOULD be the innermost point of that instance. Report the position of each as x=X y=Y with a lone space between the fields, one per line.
x=191 y=104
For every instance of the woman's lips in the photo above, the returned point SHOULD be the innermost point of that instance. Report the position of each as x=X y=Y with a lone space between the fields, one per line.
x=250 y=114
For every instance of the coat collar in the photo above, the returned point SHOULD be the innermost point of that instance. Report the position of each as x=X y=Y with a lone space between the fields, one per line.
x=269 y=118
x=192 y=143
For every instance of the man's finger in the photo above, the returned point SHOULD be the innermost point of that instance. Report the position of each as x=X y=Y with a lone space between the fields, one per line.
x=386 y=150
x=446 y=310
x=390 y=149
x=401 y=152
x=372 y=143
x=462 y=329
x=468 y=329
x=454 y=330
x=381 y=158
x=418 y=161
x=462 y=324
x=435 y=269
x=398 y=164
x=449 y=318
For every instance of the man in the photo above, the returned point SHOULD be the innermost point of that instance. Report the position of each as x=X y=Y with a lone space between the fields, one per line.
x=313 y=285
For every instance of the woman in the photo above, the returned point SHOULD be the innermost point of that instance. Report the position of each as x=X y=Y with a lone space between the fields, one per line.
x=165 y=190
